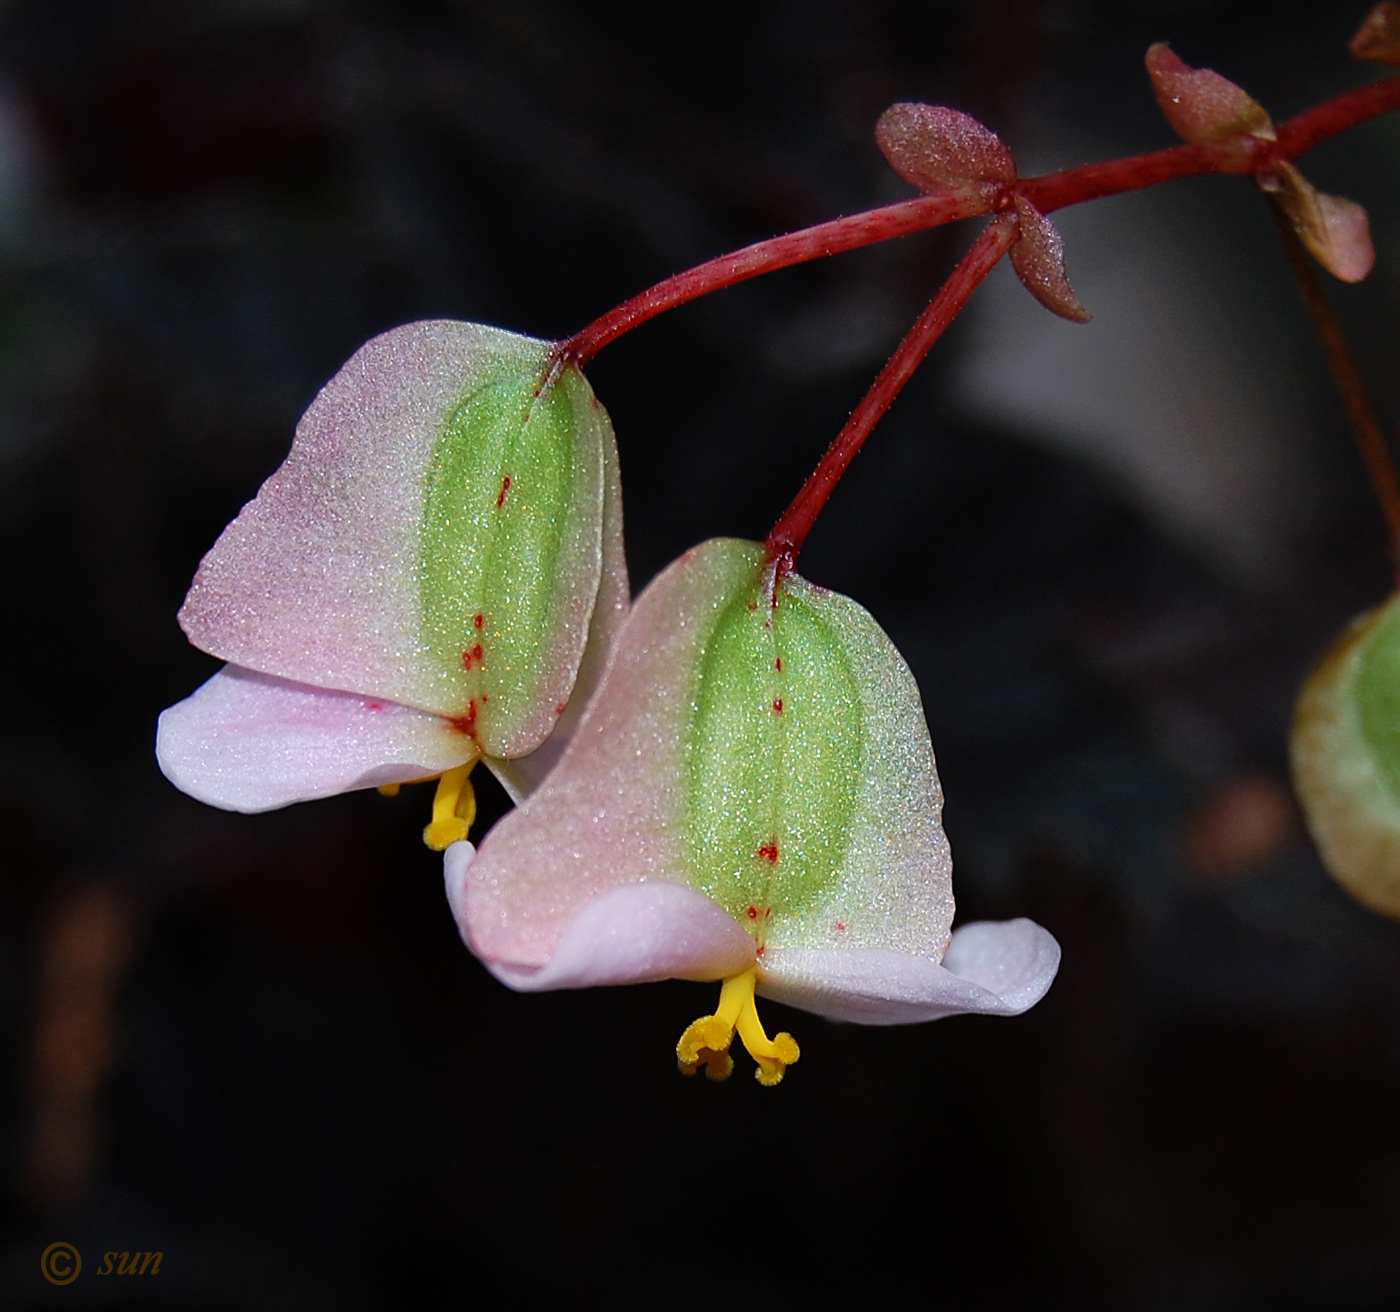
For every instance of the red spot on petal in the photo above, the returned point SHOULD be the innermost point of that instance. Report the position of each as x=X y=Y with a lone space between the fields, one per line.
x=760 y=951
x=374 y=706
x=560 y=708
x=752 y=913
x=505 y=487
x=472 y=658
x=778 y=706
x=778 y=664
x=753 y=605
x=769 y=852
x=478 y=620
x=839 y=927
x=465 y=723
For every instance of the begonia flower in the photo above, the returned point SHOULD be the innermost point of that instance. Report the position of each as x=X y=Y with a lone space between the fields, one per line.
x=432 y=577
x=750 y=797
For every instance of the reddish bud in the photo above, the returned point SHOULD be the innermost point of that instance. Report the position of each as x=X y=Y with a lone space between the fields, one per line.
x=1039 y=260
x=941 y=150
x=1378 y=37
x=1335 y=230
x=1203 y=106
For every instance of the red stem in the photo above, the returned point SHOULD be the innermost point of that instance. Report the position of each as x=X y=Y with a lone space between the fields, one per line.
x=849 y=233
x=1366 y=428
x=1051 y=192
x=1314 y=126
x=789 y=533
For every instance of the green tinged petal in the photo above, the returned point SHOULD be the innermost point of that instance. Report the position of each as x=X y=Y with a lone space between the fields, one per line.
x=810 y=804
x=774 y=752
x=389 y=558
x=509 y=545
x=682 y=771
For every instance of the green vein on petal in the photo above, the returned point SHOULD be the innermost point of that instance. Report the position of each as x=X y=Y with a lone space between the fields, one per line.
x=509 y=549
x=774 y=754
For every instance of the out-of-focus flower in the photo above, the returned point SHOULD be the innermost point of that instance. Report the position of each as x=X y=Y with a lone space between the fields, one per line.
x=1345 y=754
x=750 y=797
x=431 y=578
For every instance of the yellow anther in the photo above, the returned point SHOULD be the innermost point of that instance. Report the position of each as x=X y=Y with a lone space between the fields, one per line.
x=707 y=1040
x=454 y=809
x=706 y=1043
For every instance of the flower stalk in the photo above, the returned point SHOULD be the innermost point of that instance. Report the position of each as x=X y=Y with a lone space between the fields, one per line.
x=1375 y=454
x=789 y=533
x=1051 y=192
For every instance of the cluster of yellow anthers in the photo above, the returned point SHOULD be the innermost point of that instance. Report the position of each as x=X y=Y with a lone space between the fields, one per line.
x=706 y=1041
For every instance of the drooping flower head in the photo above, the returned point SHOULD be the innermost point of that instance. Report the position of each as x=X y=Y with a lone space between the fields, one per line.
x=750 y=797
x=421 y=584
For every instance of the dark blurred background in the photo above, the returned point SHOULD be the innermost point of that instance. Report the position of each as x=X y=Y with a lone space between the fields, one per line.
x=1109 y=554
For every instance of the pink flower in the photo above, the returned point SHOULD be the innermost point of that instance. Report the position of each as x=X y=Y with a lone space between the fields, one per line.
x=422 y=583
x=750 y=797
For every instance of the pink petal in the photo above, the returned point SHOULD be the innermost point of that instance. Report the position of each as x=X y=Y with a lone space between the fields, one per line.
x=606 y=816
x=639 y=933
x=996 y=969
x=318 y=579
x=251 y=742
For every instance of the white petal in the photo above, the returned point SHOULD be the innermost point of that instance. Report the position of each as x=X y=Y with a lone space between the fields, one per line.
x=997 y=969
x=636 y=934
x=1014 y=959
x=251 y=742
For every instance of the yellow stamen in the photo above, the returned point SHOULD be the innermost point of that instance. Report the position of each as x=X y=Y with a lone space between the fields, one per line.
x=707 y=1040
x=392 y=790
x=454 y=808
